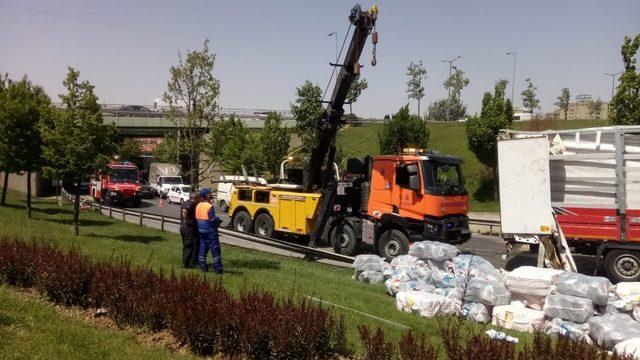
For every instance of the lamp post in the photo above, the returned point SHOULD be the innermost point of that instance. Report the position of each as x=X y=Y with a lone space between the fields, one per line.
x=613 y=81
x=513 y=77
x=449 y=86
x=336 y=36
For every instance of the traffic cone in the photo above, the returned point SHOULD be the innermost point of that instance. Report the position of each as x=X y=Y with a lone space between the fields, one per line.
x=160 y=204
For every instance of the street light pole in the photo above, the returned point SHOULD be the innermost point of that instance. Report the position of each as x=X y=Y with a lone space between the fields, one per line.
x=336 y=36
x=449 y=86
x=613 y=81
x=513 y=77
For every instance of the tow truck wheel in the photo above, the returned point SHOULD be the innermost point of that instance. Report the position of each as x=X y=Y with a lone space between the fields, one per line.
x=223 y=206
x=107 y=199
x=343 y=240
x=242 y=222
x=393 y=243
x=622 y=265
x=263 y=225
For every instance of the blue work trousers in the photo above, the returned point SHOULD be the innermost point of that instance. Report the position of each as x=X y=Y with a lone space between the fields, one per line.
x=210 y=241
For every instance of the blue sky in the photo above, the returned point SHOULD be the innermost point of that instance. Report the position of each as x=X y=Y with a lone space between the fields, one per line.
x=265 y=49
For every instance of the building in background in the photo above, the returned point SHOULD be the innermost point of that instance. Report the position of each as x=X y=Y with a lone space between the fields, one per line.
x=585 y=107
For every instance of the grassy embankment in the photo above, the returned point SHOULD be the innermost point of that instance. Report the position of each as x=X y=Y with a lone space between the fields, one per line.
x=450 y=138
x=105 y=239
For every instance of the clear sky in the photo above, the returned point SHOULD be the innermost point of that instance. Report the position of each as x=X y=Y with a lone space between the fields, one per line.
x=265 y=49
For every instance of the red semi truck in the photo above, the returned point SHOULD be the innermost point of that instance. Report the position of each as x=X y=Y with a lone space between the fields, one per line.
x=118 y=184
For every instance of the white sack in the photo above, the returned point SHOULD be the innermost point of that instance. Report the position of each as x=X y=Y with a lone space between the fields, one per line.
x=610 y=330
x=517 y=318
x=432 y=250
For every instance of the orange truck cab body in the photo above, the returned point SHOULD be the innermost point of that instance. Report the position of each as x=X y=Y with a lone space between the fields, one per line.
x=394 y=200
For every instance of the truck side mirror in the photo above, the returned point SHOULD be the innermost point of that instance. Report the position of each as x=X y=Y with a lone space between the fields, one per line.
x=414 y=182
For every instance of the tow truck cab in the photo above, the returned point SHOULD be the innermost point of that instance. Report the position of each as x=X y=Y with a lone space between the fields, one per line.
x=393 y=200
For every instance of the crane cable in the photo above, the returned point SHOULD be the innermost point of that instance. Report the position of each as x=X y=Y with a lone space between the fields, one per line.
x=337 y=60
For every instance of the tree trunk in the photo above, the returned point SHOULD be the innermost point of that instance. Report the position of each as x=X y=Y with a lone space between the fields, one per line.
x=76 y=210
x=29 y=194
x=418 y=107
x=5 y=185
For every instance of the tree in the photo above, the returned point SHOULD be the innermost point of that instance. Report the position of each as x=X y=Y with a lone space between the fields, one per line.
x=482 y=131
x=129 y=149
x=529 y=99
x=76 y=144
x=167 y=150
x=404 y=130
x=442 y=109
x=563 y=101
x=192 y=94
x=21 y=108
x=595 y=108
x=356 y=89
x=455 y=83
x=274 y=141
x=416 y=73
x=241 y=148
x=625 y=105
x=4 y=83
x=306 y=110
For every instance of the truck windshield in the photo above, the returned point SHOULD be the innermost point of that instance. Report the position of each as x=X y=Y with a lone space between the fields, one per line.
x=443 y=178
x=120 y=175
x=174 y=180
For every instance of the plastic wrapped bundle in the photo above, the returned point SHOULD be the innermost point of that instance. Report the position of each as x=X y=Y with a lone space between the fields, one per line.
x=628 y=290
x=432 y=250
x=575 y=331
x=371 y=277
x=476 y=312
x=394 y=286
x=476 y=267
x=529 y=280
x=629 y=347
x=568 y=307
x=595 y=288
x=424 y=304
x=443 y=279
x=490 y=293
x=444 y=265
x=517 y=318
x=610 y=330
x=369 y=263
x=405 y=262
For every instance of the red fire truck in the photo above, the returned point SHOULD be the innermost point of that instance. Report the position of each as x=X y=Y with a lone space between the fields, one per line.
x=118 y=184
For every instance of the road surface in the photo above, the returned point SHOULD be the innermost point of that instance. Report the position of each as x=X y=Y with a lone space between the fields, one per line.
x=491 y=248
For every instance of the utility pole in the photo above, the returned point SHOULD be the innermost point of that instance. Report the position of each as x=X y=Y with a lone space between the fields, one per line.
x=449 y=87
x=335 y=34
x=613 y=81
x=513 y=77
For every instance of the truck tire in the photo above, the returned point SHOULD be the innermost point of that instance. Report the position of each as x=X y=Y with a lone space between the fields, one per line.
x=107 y=199
x=343 y=240
x=622 y=265
x=242 y=222
x=223 y=206
x=263 y=225
x=393 y=243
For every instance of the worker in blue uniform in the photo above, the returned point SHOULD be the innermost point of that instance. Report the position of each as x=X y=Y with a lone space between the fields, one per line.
x=208 y=224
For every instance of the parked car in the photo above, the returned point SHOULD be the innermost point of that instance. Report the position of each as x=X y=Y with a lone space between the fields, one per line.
x=146 y=191
x=137 y=111
x=178 y=193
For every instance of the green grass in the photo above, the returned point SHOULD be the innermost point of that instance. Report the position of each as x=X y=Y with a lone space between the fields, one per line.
x=105 y=239
x=33 y=329
x=450 y=138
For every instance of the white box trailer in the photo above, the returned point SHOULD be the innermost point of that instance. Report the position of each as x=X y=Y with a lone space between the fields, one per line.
x=583 y=184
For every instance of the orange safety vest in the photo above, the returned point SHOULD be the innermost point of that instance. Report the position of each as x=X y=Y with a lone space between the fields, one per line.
x=202 y=211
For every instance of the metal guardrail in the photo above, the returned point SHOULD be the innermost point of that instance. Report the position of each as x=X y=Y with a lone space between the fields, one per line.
x=486 y=222
x=126 y=214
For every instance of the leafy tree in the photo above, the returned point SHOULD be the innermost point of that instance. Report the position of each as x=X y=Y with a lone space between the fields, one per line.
x=563 y=101
x=4 y=83
x=455 y=83
x=356 y=89
x=529 y=99
x=404 y=130
x=129 y=149
x=416 y=73
x=595 y=109
x=167 y=150
x=192 y=94
x=274 y=142
x=625 y=105
x=76 y=144
x=21 y=107
x=440 y=109
x=482 y=131
x=241 y=148
x=306 y=110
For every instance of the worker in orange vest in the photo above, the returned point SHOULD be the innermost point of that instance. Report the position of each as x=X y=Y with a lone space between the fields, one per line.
x=208 y=224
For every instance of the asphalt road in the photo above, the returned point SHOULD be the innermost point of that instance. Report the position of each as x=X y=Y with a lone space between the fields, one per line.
x=491 y=248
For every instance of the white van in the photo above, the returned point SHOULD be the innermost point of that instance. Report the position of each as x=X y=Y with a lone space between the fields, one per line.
x=225 y=188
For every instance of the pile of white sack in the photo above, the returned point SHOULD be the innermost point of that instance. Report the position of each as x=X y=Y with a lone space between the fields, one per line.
x=434 y=279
